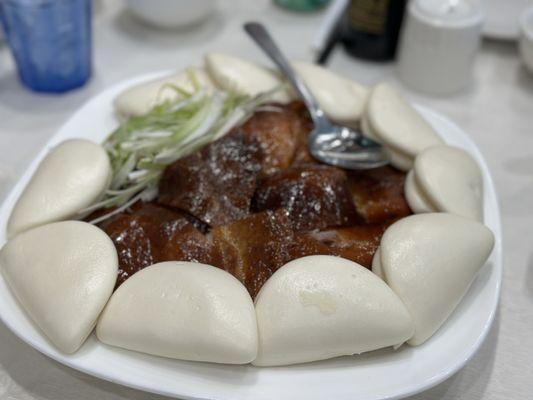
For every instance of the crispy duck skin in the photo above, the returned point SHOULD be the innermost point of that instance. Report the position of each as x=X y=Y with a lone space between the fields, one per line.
x=215 y=184
x=277 y=133
x=315 y=197
x=378 y=194
x=302 y=155
x=357 y=243
x=282 y=132
x=149 y=234
x=252 y=249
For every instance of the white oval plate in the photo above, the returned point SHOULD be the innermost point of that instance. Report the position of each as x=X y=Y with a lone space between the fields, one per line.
x=383 y=374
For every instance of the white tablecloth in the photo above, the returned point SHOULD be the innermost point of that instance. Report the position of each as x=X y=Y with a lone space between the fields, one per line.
x=497 y=111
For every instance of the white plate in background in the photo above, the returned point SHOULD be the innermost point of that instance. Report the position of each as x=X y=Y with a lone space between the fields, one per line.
x=383 y=374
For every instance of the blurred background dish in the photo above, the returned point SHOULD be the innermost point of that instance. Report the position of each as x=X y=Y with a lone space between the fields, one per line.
x=371 y=29
x=526 y=38
x=502 y=18
x=171 y=14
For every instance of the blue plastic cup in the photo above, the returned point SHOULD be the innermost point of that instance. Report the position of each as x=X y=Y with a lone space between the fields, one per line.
x=50 y=40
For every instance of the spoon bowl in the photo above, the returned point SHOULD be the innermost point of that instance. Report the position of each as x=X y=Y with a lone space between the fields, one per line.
x=346 y=148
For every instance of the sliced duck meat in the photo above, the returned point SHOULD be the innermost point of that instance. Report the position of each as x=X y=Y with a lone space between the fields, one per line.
x=302 y=155
x=215 y=184
x=314 y=196
x=150 y=233
x=253 y=248
x=282 y=132
x=356 y=243
x=304 y=244
x=277 y=130
x=378 y=194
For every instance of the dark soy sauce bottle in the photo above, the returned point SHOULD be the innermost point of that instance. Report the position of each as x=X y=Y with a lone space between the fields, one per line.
x=370 y=28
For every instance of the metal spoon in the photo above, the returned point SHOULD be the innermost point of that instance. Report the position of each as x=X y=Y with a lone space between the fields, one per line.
x=329 y=143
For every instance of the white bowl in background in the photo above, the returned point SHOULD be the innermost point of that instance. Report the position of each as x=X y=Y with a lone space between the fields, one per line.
x=170 y=14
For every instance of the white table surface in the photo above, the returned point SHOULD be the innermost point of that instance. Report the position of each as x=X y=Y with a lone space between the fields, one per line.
x=497 y=111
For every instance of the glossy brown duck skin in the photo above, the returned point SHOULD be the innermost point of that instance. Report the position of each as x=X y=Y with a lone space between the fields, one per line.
x=299 y=208
x=378 y=194
x=279 y=135
x=252 y=249
x=215 y=184
x=150 y=233
x=357 y=243
x=315 y=197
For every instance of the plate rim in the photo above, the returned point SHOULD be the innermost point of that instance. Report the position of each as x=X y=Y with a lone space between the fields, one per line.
x=497 y=256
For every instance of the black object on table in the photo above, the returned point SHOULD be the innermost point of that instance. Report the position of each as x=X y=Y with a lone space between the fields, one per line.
x=369 y=29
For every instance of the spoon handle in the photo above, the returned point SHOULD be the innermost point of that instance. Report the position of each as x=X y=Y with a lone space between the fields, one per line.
x=261 y=36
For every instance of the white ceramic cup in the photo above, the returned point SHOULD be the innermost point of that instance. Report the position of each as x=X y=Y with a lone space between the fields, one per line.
x=438 y=44
x=526 y=38
x=169 y=14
